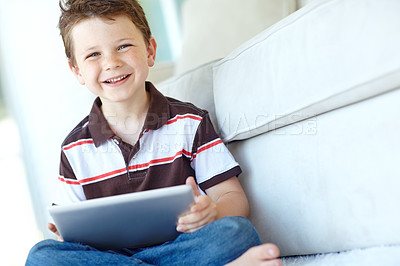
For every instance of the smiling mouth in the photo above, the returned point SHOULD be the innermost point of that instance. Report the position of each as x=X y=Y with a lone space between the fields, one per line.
x=116 y=80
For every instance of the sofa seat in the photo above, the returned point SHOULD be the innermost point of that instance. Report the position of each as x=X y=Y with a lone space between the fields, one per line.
x=381 y=255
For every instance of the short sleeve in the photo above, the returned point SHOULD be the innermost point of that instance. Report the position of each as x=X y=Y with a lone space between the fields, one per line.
x=69 y=189
x=212 y=161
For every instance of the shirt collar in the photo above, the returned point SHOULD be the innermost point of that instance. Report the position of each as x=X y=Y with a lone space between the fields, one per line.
x=157 y=115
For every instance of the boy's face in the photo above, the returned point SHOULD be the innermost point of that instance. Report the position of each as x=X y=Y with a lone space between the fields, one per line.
x=112 y=58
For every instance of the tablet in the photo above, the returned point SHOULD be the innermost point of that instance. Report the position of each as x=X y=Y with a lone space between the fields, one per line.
x=137 y=219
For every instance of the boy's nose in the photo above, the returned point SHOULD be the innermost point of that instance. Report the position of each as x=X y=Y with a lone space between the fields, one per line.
x=111 y=62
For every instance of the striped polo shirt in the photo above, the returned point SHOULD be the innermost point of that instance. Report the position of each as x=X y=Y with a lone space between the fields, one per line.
x=177 y=141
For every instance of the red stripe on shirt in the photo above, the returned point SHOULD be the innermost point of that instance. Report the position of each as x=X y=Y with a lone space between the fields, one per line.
x=183 y=117
x=206 y=147
x=90 y=179
x=188 y=154
x=133 y=167
x=162 y=160
x=78 y=143
x=69 y=182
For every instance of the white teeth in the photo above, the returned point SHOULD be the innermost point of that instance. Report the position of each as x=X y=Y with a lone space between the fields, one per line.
x=116 y=79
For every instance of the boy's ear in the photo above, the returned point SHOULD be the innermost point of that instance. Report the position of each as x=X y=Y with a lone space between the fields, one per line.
x=76 y=72
x=151 y=52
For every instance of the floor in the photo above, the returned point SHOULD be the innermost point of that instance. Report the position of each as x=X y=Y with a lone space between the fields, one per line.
x=18 y=230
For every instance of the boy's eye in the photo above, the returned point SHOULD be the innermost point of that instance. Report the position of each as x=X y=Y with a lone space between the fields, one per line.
x=124 y=46
x=93 y=55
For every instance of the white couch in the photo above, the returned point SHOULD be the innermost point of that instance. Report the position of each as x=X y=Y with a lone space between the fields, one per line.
x=310 y=108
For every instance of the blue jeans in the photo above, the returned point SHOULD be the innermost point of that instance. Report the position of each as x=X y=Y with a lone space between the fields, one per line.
x=215 y=244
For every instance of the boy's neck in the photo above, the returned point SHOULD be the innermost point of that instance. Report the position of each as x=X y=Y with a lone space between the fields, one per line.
x=125 y=109
x=127 y=118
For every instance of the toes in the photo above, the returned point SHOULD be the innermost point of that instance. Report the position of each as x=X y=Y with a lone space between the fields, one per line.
x=265 y=251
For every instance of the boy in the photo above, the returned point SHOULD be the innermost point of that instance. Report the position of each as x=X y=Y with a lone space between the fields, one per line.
x=136 y=139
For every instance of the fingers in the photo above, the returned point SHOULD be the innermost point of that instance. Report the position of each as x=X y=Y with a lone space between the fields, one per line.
x=194 y=221
x=189 y=228
x=54 y=229
x=202 y=202
x=203 y=212
x=191 y=182
x=203 y=207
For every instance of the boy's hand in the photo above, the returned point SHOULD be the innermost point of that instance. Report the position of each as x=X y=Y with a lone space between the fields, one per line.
x=54 y=229
x=203 y=212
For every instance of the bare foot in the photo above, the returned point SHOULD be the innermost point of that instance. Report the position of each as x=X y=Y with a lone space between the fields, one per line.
x=265 y=254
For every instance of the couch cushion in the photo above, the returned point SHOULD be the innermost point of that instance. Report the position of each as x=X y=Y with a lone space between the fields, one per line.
x=195 y=86
x=383 y=255
x=326 y=55
x=302 y=3
x=214 y=28
x=329 y=183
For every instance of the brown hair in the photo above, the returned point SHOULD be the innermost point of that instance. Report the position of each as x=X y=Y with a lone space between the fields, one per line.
x=74 y=11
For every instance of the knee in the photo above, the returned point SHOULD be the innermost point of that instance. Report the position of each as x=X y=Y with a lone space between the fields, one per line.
x=235 y=234
x=44 y=245
x=238 y=229
x=40 y=250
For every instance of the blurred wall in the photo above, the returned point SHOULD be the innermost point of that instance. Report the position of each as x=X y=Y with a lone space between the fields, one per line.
x=214 y=28
x=41 y=92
